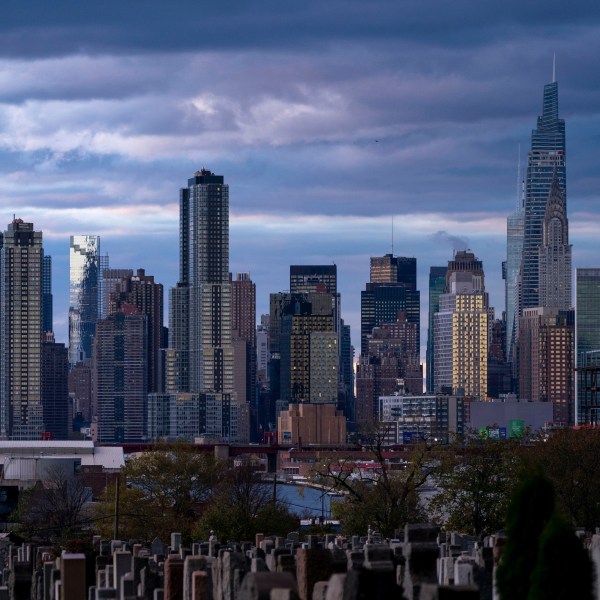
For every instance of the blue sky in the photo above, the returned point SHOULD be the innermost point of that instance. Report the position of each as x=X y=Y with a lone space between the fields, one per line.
x=325 y=118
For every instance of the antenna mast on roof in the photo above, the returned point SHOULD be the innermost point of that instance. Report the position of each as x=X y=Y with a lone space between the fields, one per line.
x=392 y=235
x=554 y=68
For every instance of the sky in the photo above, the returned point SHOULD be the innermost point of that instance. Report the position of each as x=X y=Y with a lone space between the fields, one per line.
x=329 y=120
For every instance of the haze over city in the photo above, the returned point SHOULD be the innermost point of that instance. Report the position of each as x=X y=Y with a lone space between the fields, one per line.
x=325 y=120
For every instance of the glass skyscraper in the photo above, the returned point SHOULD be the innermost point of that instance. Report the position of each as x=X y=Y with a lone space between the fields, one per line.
x=546 y=160
x=84 y=259
x=514 y=255
x=437 y=286
x=587 y=332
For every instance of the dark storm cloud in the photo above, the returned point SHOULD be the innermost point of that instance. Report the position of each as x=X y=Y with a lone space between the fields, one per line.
x=70 y=26
x=326 y=119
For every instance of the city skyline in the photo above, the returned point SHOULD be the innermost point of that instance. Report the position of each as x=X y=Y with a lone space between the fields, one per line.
x=325 y=124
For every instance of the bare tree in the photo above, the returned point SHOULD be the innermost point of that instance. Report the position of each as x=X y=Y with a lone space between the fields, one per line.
x=384 y=495
x=55 y=506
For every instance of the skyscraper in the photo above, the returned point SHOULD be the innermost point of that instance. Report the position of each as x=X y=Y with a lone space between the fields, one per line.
x=47 y=307
x=546 y=359
x=392 y=288
x=121 y=377
x=84 y=258
x=587 y=310
x=21 y=254
x=437 y=286
x=244 y=340
x=546 y=161
x=313 y=278
x=514 y=259
x=200 y=358
x=141 y=291
x=587 y=303
x=555 y=253
x=461 y=329
x=111 y=279
x=55 y=388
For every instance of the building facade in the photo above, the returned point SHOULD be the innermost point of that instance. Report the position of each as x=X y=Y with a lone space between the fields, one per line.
x=303 y=424
x=587 y=327
x=141 y=291
x=120 y=375
x=55 y=389
x=462 y=329
x=554 y=267
x=437 y=286
x=21 y=255
x=200 y=357
x=84 y=277
x=547 y=360
x=546 y=161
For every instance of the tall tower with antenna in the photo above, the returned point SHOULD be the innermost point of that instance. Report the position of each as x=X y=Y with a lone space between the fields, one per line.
x=546 y=160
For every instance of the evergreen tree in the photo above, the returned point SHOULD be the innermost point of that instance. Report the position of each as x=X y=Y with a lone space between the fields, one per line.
x=530 y=509
x=564 y=569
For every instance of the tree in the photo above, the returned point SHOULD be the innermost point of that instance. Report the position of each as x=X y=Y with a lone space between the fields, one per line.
x=161 y=491
x=475 y=481
x=569 y=459
x=386 y=497
x=564 y=569
x=530 y=509
x=55 y=507
x=244 y=506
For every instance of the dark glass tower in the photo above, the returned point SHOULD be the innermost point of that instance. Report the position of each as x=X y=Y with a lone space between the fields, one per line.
x=437 y=286
x=546 y=160
x=587 y=302
x=47 y=324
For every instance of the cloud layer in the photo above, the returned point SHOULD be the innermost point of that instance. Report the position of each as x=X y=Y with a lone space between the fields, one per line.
x=325 y=118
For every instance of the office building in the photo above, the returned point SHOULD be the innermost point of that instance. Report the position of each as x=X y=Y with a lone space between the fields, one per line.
x=313 y=278
x=299 y=344
x=546 y=161
x=547 y=360
x=141 y=291
x=381 y=302
x=21 y=255
x=437 y=286
x=184 y=416
x=200 y=358
x=243 y=295
x=121 y=377
x=80 y=389
x=555 y=253
x=84 y=258
x=587 y=314
x=515 y=224
x=434 y=418
x=390 y=364
x=303 y=424
x=588 y=384
x=111 y=279
x=346 y=399
x=394 y=269
x=47 y=302
x=55 y=389
x=392 y=288
x=462 y=328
